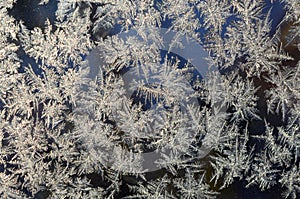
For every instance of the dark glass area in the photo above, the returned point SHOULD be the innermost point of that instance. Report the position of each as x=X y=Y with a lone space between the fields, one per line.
x=33 y=14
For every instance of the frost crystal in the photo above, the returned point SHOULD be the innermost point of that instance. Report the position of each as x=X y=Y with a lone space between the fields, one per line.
x=149 y=99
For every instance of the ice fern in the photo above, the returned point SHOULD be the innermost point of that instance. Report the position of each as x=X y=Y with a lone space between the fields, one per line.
x=95 y=103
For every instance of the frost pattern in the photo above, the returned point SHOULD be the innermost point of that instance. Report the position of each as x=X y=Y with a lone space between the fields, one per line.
x=64 y=135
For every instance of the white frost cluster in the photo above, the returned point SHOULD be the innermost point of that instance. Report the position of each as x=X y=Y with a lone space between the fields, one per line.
x=72 y=130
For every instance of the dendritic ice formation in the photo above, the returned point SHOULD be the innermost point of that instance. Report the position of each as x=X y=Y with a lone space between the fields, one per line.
x=86 y=112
